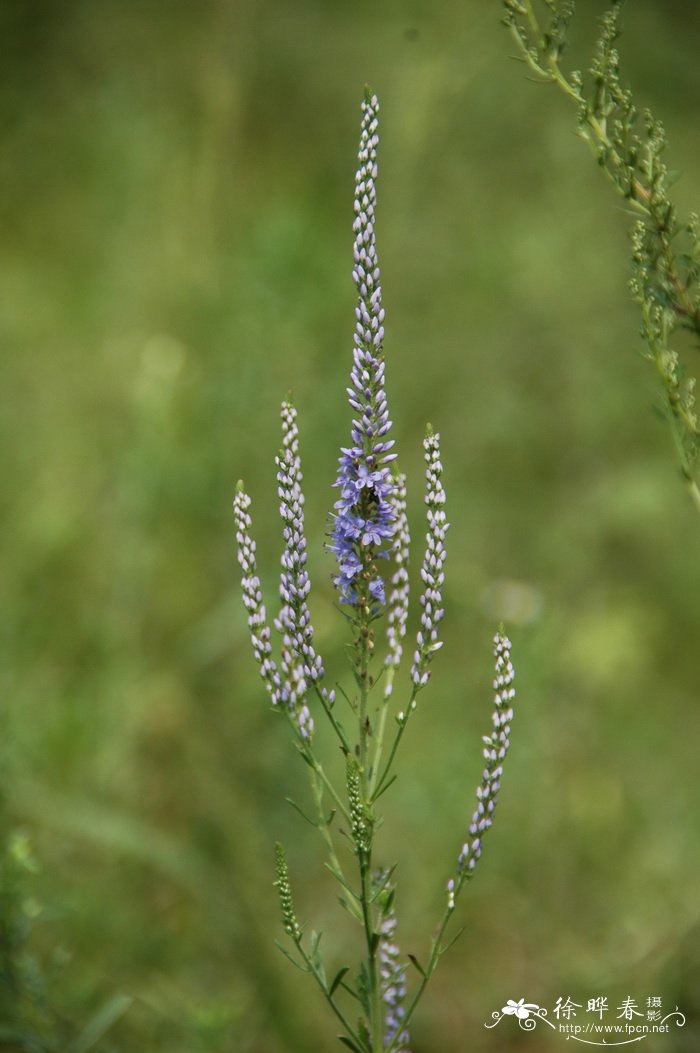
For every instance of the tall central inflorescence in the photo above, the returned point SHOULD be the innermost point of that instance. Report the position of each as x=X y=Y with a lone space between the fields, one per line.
x=363 y=522
x=369 y=522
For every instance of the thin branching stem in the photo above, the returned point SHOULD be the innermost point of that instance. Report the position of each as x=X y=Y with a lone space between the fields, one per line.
x=629 y=150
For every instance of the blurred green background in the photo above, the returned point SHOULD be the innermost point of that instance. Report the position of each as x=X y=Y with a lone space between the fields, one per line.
x=175 y=183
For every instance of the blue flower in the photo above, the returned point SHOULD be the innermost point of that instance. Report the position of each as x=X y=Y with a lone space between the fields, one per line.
x=364 y=521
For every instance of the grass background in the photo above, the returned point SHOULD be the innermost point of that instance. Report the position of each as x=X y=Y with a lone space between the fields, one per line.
x=175 y=185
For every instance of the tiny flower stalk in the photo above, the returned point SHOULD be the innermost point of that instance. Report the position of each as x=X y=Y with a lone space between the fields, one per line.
x=369 y=539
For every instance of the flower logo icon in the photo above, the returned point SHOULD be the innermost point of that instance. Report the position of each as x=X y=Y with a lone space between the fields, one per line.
x=528 y=1014
x=521 y=1009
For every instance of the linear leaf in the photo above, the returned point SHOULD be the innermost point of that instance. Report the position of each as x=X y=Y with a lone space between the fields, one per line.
x=100 y=1023
x=336 y=980
x=414 y=961
x=351 y=1045
x=285 y=952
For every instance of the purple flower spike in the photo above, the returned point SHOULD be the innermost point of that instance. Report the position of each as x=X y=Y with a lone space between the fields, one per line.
x=398 y=600
x=294 y=619
x=392 y=976
x=363 y=521
x=495 y=748
x=432 y=571
x=252 y=596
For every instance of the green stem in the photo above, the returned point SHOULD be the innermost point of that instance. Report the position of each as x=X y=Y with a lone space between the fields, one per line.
x=319 y=980
x=338 y=728
x=429 y=970
x=379 y=745
x=318 y=769
x=317 y=786
x=435 y=955
x=364 y=854
x=379 y=781
x=694 y=492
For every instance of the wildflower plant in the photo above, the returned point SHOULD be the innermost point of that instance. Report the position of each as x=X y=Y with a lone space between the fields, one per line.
x=370 y=542
x=630 y=145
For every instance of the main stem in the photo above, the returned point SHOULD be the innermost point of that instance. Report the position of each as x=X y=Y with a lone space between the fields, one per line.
x=364 y=854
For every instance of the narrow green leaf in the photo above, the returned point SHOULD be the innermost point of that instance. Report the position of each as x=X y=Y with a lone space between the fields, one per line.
x=346 y=696
x=364 y=1034
x=353 y=994
x=414 y=961
x=22 y=1040
x=388 y=906
x=444 y=950
x=336 y=980
x=363 y=989
x=384 y=788
x=285 y=952
x=98 y=1025
x=352 y=908
x=341 y=880
x=380 y=893
x=316 y=959
x=295 y=806
x=351 y=1045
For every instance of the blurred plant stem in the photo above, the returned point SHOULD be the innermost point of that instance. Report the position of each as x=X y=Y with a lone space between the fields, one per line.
x=664 y=273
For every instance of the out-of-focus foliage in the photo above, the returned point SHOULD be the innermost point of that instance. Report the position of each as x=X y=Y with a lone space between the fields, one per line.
x=175 y=186
x=629 y=145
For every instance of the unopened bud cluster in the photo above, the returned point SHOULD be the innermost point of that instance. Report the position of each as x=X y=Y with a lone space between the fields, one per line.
x=289 y=920
x=360 y=827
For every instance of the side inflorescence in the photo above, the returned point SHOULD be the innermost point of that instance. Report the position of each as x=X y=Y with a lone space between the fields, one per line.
x=495 y=748
x=398 y=598
x=252 y=596
x=393 y=984
x=432 y=571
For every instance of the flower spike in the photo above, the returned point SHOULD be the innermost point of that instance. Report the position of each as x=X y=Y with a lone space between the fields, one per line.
x=294 y=581
x=495 y=749
x=432 y=572
x=252 y=595
x=393 y=985
x=363 y=521
x=398 y=599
